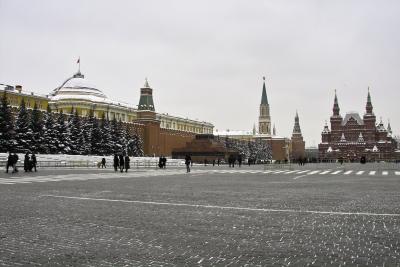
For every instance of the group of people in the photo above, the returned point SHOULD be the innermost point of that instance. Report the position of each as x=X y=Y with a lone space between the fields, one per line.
x=232 y=160
x=162 y=162
x=121 y=162
x=12 y=162
x=30 y=162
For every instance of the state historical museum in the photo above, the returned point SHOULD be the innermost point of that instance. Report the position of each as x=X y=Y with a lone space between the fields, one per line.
x=354 y=137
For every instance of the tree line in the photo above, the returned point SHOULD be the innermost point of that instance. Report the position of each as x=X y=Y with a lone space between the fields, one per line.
x=257 y=150
x=52 y=133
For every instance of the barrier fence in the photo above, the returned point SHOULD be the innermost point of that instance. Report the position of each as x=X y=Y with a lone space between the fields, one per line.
x=94 y=164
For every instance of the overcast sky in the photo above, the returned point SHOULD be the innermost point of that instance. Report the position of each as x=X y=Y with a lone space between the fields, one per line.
x=205 y=59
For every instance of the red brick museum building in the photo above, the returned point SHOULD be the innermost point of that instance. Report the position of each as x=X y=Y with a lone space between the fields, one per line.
x=353 y=137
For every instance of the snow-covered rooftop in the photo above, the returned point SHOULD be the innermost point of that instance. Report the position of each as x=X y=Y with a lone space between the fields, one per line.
x=353 y=115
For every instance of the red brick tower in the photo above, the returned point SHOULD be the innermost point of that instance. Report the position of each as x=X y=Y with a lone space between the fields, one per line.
x=336 y=121
x=147 y=116
x=298 y=144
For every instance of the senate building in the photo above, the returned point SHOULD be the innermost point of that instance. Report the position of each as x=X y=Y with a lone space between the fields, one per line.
x=353 y=136
x=160 y=132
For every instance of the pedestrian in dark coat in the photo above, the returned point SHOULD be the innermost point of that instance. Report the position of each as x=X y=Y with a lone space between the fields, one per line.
x=14 y=162
x=103 y=163
x=127 y=166
x=34 y=161
x=116 y=162
x=160 y=162
x=9 y=162
x=26 y=162
x=121 y=163
x=240 y=160
x=188 y=160
x=164 y=163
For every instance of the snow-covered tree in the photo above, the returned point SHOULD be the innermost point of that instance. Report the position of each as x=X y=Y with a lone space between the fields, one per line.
x=135 y=145
x=87 y=125
x=106 y=143
x=7 y=133
x=118 y=136
x=63 y=141
x=96 y=137
x=24 y=134
x=76 y=134
x=36 y=124
x=260 y=150
x=49 y=133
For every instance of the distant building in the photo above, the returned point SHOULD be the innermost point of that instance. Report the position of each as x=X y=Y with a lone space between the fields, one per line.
x=282 y=148
x=353 y=137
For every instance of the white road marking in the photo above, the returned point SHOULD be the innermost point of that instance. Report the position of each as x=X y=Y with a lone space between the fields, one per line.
x=385 y=173
x=348 y=172
x=289 y=172
x=297 y=177
x=372 y=172
x=313 y=172
x=225 y=207
x=303 y=171
x=336 y=172
x=359 y=172
x=325 y=172
x=397 y=173
x=279 y=171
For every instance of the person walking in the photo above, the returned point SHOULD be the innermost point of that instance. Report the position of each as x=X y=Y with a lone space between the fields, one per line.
x=103 y=163
x=160 y=162
x=188 y=161
x=14 y=162
x=218 y=161
x=164 y=162
x=26 y=162
x=127 y=166
x=34 y=161
x=240 y=160
x=121 y=163
x=213 y=162
x=9 y=162
x=116 y=162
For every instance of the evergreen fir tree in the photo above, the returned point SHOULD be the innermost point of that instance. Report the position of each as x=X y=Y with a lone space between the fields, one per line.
x=135 y=146
x=107 y=144
x=76 y=134
x=7 y=133
x=96 y=139
x=63 y=140
x=24 y=134
x=87 y=126
x=36 y=125
x=49 y=144
x=115 y=137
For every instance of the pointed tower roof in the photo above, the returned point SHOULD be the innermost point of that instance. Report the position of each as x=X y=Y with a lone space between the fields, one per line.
x=336 y=108
x=296 y=128
x=389 y=128
x=368 y=106
x=146 y=97
x=264 y=99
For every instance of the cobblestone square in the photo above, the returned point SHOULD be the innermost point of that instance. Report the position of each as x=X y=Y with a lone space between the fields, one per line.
x=213 y=216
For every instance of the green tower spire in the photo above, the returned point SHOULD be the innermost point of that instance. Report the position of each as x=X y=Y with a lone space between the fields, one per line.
x=264 y=99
